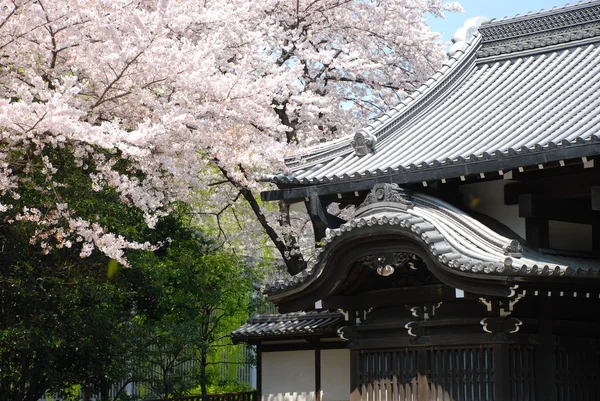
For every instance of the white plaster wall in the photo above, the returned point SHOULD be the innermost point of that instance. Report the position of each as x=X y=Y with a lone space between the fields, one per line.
x=488 y=198
x=335 y=375
x=570 y=236
x=288 y=376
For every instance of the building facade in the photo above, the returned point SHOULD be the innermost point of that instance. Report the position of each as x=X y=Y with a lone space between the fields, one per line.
x=470 y=268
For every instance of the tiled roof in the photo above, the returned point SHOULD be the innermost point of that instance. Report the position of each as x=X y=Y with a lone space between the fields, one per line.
x=453 y=238
x=526 y=85
x=288 y=325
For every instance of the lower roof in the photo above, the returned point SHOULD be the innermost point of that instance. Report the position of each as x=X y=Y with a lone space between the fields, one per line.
x=297 y=324
x=458 y=246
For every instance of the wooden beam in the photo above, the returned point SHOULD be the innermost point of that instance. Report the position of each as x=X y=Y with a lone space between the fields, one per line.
x=554 y=187
x=575 y=210
x=442 y=340
x=303 y=347
x=393 y=296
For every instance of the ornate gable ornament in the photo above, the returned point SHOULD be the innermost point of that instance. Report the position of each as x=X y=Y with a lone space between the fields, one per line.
x=385 y=198
x=385 y=263
x=364 y=143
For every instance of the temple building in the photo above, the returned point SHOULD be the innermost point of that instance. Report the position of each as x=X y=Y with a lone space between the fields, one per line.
x=470 y=268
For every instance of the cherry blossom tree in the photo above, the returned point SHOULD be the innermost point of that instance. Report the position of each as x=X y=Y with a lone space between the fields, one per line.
x=190 y=101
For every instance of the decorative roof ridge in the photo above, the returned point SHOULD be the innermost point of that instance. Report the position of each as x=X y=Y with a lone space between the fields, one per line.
x=316 y=149
x=489 y=257
x=538 y=30
x=461 y=57
x=544 y=12
x=302 y=315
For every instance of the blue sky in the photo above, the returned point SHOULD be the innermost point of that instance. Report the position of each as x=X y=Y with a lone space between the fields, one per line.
x=490 y=9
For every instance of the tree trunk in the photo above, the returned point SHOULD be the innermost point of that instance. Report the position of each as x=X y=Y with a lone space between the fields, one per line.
x=104 y=390
x=87 y=393
x=203 y=363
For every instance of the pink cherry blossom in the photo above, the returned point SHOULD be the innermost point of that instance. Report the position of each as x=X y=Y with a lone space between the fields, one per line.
x=201 y=97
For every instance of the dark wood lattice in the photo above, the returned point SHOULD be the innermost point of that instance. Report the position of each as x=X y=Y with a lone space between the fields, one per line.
x=388 y=375
x=461 y=374
x=577 y=371
x=457 y=374
x=522 y=372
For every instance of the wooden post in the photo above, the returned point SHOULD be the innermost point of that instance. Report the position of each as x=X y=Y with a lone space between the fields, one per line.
x=502 y=372
x=354 y=390
x=422 y=383
x=595 y=231
x=259 y=372
x=318 y=372
x=531 y=207
x=546 y=370
x=537 y=233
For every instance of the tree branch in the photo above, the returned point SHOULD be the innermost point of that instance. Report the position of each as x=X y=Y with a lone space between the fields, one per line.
x=293 y=260
x=118 y=76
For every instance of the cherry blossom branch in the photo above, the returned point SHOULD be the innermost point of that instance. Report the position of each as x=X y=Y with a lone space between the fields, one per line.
x=220 y=212
x=118 y=76
x=10 y=14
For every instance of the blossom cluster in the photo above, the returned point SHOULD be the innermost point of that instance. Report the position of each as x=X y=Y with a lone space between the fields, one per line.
x=183 y=90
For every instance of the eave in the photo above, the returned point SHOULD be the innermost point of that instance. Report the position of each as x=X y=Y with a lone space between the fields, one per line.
x=554 y=155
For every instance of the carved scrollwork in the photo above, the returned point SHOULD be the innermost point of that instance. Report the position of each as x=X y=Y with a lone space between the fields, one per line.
x=414 y=329
x=387 y=193
x=496 y=325
x=417 y=331
x=425 y=311
x=346 y=333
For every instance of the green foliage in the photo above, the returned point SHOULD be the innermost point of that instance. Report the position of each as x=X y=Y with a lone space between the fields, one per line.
x=223 y=387
x=63 y=321
x=204 y=295
x=62 y=324
x=69 y=323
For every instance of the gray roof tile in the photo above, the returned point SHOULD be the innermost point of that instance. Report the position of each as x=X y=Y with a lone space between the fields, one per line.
x=521 y=86
x=289 y=325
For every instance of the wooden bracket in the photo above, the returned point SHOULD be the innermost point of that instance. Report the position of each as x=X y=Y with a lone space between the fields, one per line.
x=321 y=219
